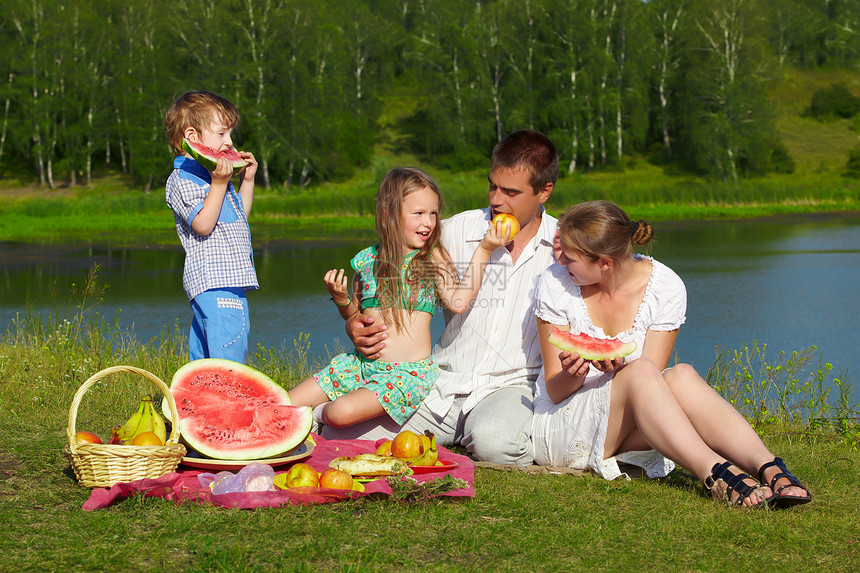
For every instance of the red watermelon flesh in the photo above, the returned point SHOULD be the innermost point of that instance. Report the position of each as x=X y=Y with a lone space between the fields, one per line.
x=589 y=347
x=230 y=411
x=208 y=157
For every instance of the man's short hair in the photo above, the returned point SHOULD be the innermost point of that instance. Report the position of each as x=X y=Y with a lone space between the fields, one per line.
x=529 y=150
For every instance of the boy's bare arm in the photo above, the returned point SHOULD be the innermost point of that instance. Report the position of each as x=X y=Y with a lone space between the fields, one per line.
x=246 y=186
x=207 y=217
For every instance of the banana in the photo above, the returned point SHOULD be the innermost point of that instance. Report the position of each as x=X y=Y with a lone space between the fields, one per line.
x=158 y=424
x=128 y=430
x=145 y=419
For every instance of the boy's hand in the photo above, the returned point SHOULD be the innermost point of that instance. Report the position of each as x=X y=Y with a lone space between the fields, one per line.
x=222 y=172
x=250 y=170
x=335 y=283
x=498 y=235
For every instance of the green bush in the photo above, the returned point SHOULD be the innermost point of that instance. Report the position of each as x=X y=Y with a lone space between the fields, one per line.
x=834 y=101
x=780 y=159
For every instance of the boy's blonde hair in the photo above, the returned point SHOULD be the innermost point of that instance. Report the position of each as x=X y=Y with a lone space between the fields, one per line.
x=197 y=109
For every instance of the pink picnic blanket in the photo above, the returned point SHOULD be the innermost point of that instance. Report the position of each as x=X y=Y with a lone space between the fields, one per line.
x=184 y=485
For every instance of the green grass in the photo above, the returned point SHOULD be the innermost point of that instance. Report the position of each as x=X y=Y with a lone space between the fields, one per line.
x=516 y=521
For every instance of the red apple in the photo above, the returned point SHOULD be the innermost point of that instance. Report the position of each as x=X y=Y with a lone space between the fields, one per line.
x=384 y=448
x=407 y=445
x=508 y=219
x=302 y=475
x=335 y=479
x=83 y=437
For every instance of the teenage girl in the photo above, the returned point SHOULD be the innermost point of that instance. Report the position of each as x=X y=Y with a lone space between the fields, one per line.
x=398 y=281
x=593 y=414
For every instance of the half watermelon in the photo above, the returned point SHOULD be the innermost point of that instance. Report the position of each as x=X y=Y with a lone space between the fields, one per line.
x=589 y=347
x=208 y=157
x=229 y=411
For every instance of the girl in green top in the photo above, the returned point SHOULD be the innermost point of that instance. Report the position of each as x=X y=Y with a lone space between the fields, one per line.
x=398 y=282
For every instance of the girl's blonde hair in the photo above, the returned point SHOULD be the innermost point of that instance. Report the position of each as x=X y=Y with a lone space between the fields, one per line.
x=391 y=288
x=602 y=230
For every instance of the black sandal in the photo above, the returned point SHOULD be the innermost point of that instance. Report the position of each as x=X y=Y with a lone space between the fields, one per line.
x=734 y=484
x=778 y=499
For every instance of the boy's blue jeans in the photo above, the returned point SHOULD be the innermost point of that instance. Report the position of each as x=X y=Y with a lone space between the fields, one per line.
x=220 y=325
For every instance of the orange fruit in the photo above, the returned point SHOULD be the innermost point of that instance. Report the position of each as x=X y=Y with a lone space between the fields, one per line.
x=147 y=439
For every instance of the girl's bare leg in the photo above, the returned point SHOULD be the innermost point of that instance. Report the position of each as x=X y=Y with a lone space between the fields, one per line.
x=351 y=408
x=721 y=426
x=644 y=414
x=308 y=393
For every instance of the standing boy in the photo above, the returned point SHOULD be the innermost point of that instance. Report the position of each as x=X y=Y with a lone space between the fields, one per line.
x=212 y=223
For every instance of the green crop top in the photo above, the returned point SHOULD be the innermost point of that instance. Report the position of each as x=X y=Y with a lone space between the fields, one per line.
x=423 y=300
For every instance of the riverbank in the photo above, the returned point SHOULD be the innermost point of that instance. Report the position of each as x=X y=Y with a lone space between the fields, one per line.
x=110 y=210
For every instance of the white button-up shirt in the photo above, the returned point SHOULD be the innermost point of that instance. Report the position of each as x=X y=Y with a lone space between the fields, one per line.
x=494 y=344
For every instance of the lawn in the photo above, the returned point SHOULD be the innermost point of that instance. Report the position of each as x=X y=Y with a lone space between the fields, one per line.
x=517 y=521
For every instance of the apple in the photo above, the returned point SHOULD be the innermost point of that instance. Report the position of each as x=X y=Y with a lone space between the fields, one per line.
x=407 y=445
x=83 y=437
x=384 y=448
x=335 y=479
x=508 y=219
x=302 y=475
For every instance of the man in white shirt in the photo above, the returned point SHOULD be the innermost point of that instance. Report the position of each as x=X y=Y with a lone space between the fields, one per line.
x=489 y=357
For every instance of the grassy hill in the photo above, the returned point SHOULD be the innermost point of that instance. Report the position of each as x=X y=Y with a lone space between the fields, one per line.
x=815 y=146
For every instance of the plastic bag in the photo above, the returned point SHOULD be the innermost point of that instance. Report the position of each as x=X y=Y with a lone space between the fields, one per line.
x=252 y=477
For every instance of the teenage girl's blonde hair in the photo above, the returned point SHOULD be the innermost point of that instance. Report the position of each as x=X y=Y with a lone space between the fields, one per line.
x=602 y=230
x=197 y=109
x=422 y=272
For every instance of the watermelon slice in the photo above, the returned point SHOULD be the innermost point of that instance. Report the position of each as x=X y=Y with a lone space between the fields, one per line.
x=229 y=411
x=208 y=157
x=589 y=347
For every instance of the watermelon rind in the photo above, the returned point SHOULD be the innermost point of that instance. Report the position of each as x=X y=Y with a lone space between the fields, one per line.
x=589 y=347
x=230 y=411
x=208 y=157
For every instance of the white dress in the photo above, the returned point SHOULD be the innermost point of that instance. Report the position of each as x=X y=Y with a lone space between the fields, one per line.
x=572 y=433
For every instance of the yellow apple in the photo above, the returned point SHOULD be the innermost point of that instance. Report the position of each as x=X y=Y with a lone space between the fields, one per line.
x=508 y=219
x=302 y=475
x=384 y=449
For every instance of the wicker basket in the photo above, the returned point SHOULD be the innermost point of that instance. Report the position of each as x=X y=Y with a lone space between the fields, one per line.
x=103 y=465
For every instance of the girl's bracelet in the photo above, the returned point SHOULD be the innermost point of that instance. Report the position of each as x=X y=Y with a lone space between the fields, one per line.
x=348 y=301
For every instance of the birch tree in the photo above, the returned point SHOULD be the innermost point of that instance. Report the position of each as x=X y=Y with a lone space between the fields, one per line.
x=727 y=74
x=666 y=16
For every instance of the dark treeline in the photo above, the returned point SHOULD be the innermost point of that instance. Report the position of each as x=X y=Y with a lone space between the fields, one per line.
x=85 y=83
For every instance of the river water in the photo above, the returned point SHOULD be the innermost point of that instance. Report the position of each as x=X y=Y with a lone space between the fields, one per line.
x=789 y=282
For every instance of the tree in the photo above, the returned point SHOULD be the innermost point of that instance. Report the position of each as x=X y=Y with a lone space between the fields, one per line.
x=666 y=17
x=728 y=127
